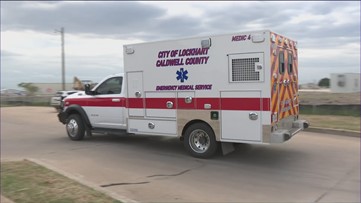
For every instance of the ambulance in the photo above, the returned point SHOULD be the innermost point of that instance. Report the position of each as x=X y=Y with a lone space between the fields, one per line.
x=209 y=92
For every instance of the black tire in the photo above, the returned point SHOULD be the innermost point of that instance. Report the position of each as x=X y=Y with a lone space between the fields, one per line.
x=200 y=141
x=75 y=127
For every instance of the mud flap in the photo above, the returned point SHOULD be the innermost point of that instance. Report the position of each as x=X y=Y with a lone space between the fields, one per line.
x=227 y=147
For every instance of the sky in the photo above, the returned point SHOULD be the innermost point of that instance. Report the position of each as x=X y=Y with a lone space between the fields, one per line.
x=327 y=32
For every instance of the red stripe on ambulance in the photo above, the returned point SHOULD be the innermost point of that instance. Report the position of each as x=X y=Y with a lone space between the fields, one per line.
x=240 y=104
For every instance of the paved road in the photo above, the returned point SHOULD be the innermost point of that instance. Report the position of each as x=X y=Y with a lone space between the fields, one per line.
x=309 y=168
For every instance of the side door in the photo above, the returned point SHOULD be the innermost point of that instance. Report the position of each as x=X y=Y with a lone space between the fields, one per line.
x=135 y=98
x=241 y=108
x=106 y=108
x=241 y=116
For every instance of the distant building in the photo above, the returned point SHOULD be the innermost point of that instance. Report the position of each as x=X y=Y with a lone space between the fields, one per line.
x=345 y=82
x=51 y=88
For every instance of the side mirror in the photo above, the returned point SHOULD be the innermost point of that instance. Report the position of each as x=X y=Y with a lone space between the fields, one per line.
x=88 y=91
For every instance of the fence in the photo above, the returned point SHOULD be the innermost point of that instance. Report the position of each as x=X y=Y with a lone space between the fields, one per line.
x=342 y=110
x=25 y=100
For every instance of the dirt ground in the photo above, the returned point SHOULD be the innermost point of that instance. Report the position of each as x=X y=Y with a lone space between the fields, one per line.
x=319 y=98
x=334 y=122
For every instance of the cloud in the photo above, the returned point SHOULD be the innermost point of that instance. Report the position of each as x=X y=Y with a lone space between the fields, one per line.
x=328 y=33
x=109 y=18
x=161 y=20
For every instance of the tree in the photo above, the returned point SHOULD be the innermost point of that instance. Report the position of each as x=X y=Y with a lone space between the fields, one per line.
x=324 y=82
x=29 y=87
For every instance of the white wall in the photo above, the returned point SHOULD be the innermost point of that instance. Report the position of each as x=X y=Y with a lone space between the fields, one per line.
x=345 y=82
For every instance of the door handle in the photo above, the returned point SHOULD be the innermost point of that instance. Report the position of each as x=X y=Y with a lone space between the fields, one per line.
x=115 y=100
x=253 y=116
x=286 y=82
x=169 y=104
x=188 y=100
x=138 y=94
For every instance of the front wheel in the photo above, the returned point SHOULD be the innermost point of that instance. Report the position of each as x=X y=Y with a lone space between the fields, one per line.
x=75 y=127
x=200 y=141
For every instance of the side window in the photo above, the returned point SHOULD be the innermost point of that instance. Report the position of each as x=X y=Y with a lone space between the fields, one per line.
x=281 y=62
x=290 y=63
x=110 y=86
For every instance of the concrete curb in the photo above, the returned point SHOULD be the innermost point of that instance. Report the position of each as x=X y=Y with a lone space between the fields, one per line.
x=332 y=131
x=82 y=181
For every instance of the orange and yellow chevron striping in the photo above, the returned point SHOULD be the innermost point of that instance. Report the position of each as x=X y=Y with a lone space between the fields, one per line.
x=284 y=81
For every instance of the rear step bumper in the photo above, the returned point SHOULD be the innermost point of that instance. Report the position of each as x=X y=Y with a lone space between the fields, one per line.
x=282 y=135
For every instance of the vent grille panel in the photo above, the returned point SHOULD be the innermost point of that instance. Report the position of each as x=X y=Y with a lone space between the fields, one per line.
x=244 y=70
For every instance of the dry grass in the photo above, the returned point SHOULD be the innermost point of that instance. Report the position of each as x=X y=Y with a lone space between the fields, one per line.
x=336 y=122
x=25 y=181
x=317 y=98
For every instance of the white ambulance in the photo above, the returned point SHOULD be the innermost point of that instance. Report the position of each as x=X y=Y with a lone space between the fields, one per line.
x=208 y=91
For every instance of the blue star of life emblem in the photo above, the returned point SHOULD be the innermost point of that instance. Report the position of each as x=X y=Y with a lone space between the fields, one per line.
x=182 y=75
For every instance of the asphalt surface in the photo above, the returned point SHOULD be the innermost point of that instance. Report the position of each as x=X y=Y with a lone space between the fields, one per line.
x=311 y=167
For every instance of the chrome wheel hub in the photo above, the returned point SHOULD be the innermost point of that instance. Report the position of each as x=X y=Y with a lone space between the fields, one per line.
x=72 y=128
x=199 y=141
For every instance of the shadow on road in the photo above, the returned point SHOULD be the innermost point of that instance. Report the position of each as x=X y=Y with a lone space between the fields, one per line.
x=253 y=154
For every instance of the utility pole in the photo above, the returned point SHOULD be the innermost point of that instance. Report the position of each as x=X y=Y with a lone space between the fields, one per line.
x=62 y=58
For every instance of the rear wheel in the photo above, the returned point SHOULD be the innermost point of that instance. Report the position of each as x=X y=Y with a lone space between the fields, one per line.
x=75 y=127
x=199 y=140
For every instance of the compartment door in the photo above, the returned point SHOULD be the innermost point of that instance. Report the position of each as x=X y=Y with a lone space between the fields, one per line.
x=135 y=97
x=241 y=116
x=160 y=105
